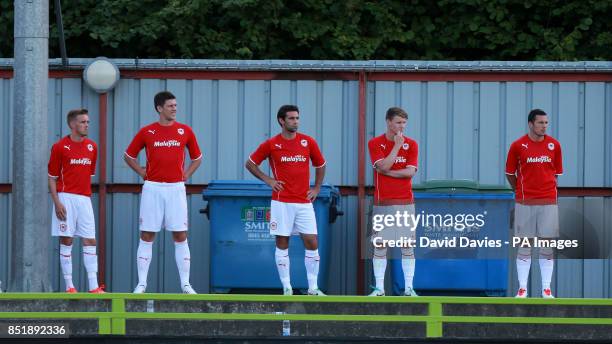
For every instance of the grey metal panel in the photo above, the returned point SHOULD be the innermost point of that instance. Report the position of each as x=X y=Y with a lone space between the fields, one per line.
x=256 y=123
x=125 y=124
x=204 y=119
x=491 y=155
x=332 y=129
x=227 y=139
x=351 y=134
x=436 y=151
x=516 y=114
x=5 y=238
x=569 y=133
x=465 y=135
x=344 y=253
x=608 y=136
x=6 y=131
x=122 y=244
x=594 y=131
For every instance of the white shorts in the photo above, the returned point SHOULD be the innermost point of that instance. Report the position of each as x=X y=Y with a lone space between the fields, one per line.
x=163 y=205
x=292 y=218
x=79 y=217
x=536 y=220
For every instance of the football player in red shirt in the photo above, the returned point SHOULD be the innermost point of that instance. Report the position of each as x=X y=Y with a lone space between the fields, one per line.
x=533 y=164
x=163 y=202
x=394 y=159
x=291 y=212
x=71 y=165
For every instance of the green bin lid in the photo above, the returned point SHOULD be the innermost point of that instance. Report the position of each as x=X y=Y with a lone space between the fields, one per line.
x=459 y=186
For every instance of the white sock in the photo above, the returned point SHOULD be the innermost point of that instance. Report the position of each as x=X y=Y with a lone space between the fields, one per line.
x=66 y=264
x=90 y=260
x=547 y=264
x=143 y=260
x=408 y=264
x=182 y=255
x=311 y=260
x=379 y=263
x=282 y=265
x=523 y=264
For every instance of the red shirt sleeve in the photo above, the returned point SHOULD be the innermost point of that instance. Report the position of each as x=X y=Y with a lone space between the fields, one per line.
x=55 y=161
x=316 y=157
x=558 y=160
x=376 y=153
x=261 y=154
x=194 y=148
x=512 y=160
x=136 y=145
x=413 y=154
x=94 y=160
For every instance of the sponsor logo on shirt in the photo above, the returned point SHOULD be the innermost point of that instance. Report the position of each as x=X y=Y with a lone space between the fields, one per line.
x=541 y=159
x=82 y=161
x=67 y=147
x=400 y=159
x=151 y=131
x=295 y=158
x=524 y=145
x=168 y=143
x=278 y=146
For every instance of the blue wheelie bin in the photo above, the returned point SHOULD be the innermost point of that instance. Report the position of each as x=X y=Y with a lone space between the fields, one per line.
x=241 y=247
x=461 y=270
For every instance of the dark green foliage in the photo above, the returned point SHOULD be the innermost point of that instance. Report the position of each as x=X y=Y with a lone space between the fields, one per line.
x=330 y=29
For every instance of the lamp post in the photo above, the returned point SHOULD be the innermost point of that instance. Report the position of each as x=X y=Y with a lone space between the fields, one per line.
x=102 y=75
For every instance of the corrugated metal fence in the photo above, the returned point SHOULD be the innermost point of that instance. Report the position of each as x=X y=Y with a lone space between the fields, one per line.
x=464 y=124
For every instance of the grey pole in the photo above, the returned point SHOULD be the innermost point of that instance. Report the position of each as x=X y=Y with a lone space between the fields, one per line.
x=30 y=235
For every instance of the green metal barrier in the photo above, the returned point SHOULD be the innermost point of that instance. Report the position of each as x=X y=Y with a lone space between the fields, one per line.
x=114 y=322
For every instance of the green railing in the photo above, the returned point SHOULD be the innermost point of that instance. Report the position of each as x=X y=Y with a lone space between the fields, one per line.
x=113 y=322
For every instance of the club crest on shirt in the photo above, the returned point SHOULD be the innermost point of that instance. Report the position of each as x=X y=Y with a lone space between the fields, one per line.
x=551 y=146
x=273 y=226
x=405 y=146
x=304 y=143
x=181 y=131
x=90 y=147
x=62 y=227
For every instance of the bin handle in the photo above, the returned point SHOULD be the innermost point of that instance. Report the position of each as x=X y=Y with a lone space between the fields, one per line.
x=334 y=212
x=206 y=211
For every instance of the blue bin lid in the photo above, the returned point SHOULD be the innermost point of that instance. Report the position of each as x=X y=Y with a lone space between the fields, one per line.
x=253 y=188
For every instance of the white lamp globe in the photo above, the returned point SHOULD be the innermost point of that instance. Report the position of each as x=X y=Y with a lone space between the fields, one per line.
x=101 y=75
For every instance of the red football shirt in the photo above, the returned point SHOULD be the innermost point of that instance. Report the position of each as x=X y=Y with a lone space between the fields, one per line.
x=165 y=149
x=390 y=190
x=535 y=165
x=290 y=163
x=73 y=164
